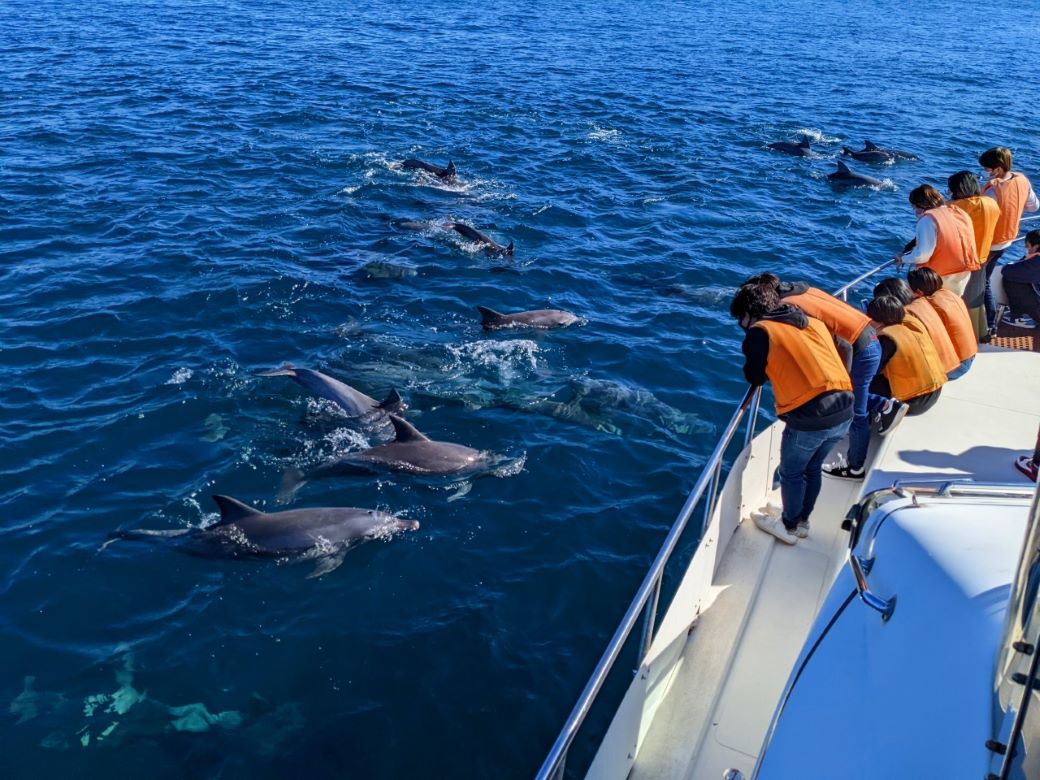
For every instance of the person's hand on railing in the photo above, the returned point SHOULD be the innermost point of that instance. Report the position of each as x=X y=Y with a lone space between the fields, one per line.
x=898 y=258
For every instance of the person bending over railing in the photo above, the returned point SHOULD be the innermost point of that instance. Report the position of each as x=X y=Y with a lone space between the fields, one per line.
x=944 y=239
x=922 y=311
x=983 y=213
x=951 y=309
x=910 y=368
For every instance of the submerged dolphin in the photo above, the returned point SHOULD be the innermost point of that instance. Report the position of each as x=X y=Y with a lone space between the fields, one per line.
x=353 y=402
x=800 y=149
x=844 y=177
x=870 y=146
x=539 y=318
x=245 y=532
x=491 y=246
x=445 y=174
x=410 y=451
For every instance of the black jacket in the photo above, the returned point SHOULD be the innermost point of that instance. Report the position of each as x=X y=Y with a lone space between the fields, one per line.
x=825 y=410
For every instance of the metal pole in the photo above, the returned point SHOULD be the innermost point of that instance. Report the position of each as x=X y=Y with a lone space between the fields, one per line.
x=650 y=623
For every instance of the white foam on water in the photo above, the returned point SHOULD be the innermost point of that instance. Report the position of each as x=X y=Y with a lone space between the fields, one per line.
x=816 y=136
x=180 y=376
x=605 y=134
x=509 y=358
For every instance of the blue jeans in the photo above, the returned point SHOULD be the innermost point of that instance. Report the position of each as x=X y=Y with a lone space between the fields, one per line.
x=962 y=369
x=864 y=365
x=801 y=468
x=991 y=303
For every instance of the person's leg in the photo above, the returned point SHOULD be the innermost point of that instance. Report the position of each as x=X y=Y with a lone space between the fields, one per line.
x=814 y=466
x=991 y=303
x=1020 y=297
x=923 y=403
x=864 y=367
x=962 y=369
x=796 y=448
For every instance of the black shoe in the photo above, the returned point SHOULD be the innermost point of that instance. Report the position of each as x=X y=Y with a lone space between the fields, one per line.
x=890 y=416
x=844 y=471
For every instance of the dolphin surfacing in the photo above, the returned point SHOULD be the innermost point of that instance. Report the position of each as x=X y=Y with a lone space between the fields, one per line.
x=446 y=173
x=352 y=401
x=538 y=318
x=845 y=177
x=800 y=149
x=491 y=246
x=245 y=532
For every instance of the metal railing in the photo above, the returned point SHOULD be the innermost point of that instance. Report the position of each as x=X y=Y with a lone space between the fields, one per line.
x=648 y=596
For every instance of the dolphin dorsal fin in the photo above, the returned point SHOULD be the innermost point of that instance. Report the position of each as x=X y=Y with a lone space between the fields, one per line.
x=394 y=402
x=489 y=316
x=843 y=168
x=509 y=249
x=804 y=143
x=232 y=510
x=846 y=151
x=450 y=170
x=405 y=430
x=870 y=146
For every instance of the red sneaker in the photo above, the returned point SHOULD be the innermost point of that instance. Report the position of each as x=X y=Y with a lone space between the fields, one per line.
x=1024 y=463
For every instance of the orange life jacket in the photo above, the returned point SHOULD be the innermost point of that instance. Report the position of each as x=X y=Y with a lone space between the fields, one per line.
x=1011 y=197
x=802 y=363
x=954 y=313
x=914 y=369
x=954 y=242
x=933 y=325
x=983 y=213
x=838 y=317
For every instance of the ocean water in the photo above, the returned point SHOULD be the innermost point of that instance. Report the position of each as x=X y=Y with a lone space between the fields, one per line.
x=192 y=193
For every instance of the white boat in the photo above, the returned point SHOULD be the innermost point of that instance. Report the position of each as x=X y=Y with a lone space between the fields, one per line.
x=900 y=640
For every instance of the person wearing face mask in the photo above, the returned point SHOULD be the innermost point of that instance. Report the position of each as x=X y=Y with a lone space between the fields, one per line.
x=983 y=213
x=813 y=394
x=944 y=239
x=1014 y=194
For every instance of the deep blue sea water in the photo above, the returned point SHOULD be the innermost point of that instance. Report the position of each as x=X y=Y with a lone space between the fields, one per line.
x=191 y=193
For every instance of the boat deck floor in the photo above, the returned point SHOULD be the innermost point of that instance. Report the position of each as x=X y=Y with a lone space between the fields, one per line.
x=765 y=594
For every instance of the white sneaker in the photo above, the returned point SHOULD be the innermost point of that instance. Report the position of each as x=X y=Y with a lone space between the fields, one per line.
x=771 y=510
x=802 y=531
x=774 y=526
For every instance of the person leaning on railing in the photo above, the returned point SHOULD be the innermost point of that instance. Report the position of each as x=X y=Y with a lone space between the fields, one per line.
x=922 y=311
x=1014 y=194
x=983 y=213
x=927 y=287
x=910 y=367
x=813 y=394
x=944 y=239
x=1022 y=286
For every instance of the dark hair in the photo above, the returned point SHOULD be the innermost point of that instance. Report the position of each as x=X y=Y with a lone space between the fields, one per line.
x=925 y=281
x=1033 y=237
x=963 y=184
x=754 y=300
x=926 y=197
x=997 y=157
x=896 y=287
x=770 y=280
x=886 y=309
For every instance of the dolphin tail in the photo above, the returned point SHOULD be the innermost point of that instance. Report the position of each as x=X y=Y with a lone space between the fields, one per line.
x=394 y=402
x=287 y=369
x=509 y=249
x=489 y=317
x=292 y=480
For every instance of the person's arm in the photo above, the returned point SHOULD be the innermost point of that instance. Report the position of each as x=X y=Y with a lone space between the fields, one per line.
x=756 y=352
x=888 y=349
x=1032 y=202
x=844 y=351
x=925 y=238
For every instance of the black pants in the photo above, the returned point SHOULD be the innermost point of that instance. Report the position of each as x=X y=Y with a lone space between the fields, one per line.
x=919 y=405
x=1022 y=299
x=991 y=303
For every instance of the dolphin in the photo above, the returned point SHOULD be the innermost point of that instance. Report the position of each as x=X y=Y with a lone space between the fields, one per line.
x=844 y=177
x=444 y=174
x=245 y=532
x=410 y=451
x=868 y=155
x=491 y=246
x=870 y=146
x=539 y=318
x=383 y=269
x=800 y=149
x=353 y=402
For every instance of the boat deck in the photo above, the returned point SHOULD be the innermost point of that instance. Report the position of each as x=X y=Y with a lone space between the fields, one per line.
x=738 y=622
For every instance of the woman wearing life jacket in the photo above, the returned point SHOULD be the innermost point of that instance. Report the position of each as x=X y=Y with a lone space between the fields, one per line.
x=983 y=213
x=928 y=286
x=944 y=239
x=852 y=326
x=1014 y=194
x=921 y=310
x=910 y=369
x=797 y=355
x=1022 y=286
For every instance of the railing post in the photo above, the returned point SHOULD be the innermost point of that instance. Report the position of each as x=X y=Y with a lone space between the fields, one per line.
x=649 y=621
x=752 y=416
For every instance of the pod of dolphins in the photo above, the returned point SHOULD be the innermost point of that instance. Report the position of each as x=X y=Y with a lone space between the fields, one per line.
x=326 y=533
x=845 y=176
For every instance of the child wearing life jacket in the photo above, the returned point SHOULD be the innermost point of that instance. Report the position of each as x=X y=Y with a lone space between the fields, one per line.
x=919 y=309
x=1022 y=286
x=910 y=368
x=813 y=395
x=944 y=239
x=927 y=286
x=983 y=213
x=1014 y=194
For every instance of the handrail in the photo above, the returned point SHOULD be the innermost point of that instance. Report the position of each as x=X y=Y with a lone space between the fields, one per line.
x=708 y=482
